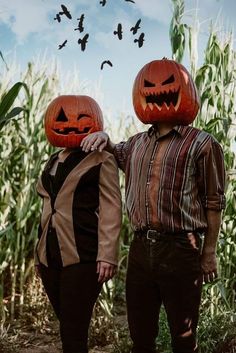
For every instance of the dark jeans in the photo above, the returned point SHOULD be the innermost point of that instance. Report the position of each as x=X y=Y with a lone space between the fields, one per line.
x=165 y=271
x=72 y=291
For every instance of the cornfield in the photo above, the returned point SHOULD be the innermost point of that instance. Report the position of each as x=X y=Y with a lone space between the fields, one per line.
x=23 y=150
x=216 y=83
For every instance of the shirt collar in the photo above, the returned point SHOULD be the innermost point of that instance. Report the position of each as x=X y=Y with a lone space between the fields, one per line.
x=179 y=129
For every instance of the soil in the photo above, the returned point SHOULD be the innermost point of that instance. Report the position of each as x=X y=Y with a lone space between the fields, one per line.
x=44 y=344
x=29 y=341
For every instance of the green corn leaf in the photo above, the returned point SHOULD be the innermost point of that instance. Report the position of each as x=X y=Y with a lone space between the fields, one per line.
x=5 y=119
x=2 y=57
x=9 y=98
x=15 y=111
x=5 y=230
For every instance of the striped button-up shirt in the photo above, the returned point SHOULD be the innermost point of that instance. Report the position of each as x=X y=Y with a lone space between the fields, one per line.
x=172 y=180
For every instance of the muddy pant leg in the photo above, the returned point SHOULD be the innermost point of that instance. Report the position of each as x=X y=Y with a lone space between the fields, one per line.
x=181 y=300
x=181 y=288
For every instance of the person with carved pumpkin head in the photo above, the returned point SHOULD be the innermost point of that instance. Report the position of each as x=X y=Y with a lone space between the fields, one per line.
x=80 y=222
x=175 y=181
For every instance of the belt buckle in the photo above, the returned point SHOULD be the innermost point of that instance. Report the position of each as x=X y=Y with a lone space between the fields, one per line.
x=152 y=234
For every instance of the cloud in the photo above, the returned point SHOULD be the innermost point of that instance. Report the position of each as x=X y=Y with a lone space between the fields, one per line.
x=25 y=17
x=155 y=9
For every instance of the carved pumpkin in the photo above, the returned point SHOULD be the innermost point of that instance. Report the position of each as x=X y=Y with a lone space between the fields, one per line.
x=164 y=91
x=69 y=119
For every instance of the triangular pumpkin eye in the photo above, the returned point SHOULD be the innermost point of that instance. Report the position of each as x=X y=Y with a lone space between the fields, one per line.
x=61 y=116
x=148 y=84
x=169 y=80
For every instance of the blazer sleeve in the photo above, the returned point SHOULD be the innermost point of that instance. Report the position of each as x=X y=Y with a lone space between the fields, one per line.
x=110 y=211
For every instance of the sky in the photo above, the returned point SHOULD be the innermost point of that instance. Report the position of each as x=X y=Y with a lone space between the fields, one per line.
x=28 y=29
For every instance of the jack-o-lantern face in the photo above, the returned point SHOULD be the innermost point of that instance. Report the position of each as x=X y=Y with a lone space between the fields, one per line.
x=69 y=119
x=164 y=91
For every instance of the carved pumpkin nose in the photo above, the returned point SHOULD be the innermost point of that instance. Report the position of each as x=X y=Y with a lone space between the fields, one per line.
x=164 y=91
x=69 y=119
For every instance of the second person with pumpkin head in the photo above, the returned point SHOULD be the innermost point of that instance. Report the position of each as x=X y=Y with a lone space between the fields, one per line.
x=175 y=180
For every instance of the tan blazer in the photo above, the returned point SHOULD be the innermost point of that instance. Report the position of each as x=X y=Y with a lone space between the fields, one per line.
x=60 y=215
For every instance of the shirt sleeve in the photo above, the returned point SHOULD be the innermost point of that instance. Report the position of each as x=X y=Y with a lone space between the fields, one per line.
x=123 y=150
x=211 y=181
x=110 y=212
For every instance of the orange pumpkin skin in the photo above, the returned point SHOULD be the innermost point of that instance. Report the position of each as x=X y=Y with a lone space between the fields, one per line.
x=164 y=91
x=69 y=118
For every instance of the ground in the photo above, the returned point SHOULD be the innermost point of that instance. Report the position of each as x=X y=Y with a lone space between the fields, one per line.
x=45 y=346
x=43 y=343
x=31 y=341
x=50 y=344
x=22 y=338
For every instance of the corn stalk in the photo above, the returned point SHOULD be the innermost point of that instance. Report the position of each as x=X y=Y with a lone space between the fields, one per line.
x=23 y=149
x=23 y=152
x=216 y=84
x=177 y=31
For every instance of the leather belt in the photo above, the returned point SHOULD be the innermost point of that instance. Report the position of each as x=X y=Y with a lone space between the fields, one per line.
x=153 y=234
x=150 y=234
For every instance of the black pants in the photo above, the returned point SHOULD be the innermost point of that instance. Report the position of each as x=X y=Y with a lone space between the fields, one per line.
x=72 y=291
x=164 y=272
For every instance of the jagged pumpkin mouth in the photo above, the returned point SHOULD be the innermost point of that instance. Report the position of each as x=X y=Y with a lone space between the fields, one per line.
x=72 y=131
x=168 y=100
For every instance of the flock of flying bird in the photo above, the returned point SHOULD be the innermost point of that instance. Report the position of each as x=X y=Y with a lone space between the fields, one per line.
x=83 y=41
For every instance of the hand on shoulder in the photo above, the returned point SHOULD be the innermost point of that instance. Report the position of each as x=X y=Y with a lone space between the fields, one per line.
x=95 y=141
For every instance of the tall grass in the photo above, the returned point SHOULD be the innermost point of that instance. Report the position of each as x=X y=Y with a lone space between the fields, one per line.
x=23 y=149
x=216 y=83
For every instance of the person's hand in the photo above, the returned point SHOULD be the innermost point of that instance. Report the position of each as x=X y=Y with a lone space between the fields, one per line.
x=95 y=141
x=37 y=271
x=209 y=266
x=105 y=271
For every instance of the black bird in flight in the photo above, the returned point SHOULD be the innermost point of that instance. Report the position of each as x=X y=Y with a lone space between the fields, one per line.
x=62 y=45
x=119 y=31
x=140 y=40
x=131 y=1
x=65 y=12
x=106 y=62
x=83 y=41
x=103 y=2
x=80 y=24
x=136 y=27
x=57 y=18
